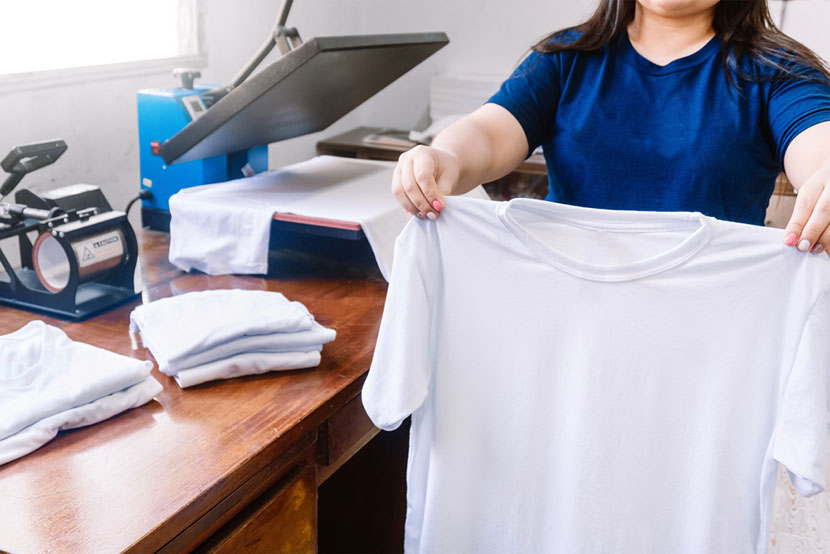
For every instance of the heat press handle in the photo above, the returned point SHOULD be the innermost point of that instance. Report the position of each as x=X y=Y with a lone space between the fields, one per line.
x=23 y=211
x=187 y=75
x=24 y=159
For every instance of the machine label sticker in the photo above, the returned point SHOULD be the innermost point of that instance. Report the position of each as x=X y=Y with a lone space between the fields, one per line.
x=99 y=248
x=103 y=242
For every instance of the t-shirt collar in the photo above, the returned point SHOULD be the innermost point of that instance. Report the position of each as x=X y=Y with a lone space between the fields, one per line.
x=698 y=225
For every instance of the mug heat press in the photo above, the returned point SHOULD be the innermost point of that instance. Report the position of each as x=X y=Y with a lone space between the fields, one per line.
x=83 y=257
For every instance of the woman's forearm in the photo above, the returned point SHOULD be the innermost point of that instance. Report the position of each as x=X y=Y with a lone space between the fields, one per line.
x=488 y=144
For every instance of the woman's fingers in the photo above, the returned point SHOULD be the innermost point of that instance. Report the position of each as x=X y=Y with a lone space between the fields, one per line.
x=412 y=188
x=447 y=180
x=822 y=243
x=416 y=182
x=811 y=215
x=399 y=194
x=425 y=169
x=817 y=224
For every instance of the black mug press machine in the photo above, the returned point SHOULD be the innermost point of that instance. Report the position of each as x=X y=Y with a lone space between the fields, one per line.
x=77 y=255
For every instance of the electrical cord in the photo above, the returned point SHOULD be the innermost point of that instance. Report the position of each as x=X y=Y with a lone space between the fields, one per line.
x=144 y=194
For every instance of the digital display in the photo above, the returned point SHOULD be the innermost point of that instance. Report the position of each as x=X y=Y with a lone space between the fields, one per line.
x=195 y=106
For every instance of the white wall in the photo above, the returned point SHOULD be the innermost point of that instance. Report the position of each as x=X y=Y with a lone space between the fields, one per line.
x=807 y=21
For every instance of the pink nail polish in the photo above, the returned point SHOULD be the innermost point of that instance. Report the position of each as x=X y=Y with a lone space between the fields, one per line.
x=817 y=249
x=790 y=239
x=437 y=205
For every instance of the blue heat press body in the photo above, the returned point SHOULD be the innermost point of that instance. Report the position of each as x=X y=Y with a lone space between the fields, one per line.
x=161 y=114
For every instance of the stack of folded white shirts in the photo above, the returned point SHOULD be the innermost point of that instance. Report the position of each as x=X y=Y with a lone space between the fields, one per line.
x=219 y=334
x=49 y=383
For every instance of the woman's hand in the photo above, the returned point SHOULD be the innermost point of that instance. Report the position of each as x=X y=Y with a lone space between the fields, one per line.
x=478 y=148
x=422 y=178
x=807 y=163
x=809 y=226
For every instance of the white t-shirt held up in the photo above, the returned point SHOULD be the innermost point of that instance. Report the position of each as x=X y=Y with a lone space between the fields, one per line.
x=593 y=381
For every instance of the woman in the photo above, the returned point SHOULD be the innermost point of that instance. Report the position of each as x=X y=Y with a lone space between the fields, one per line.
x=679 y=105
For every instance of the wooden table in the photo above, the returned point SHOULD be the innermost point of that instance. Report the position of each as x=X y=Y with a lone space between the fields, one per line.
x=231 y=465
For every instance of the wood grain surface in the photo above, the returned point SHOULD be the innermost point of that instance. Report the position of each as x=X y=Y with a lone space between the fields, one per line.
x=138 y=480
x=283 y=520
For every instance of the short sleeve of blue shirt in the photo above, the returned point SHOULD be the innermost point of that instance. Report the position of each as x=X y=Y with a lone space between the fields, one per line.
x=531 y=95
x=620 y=132
x=794 y=106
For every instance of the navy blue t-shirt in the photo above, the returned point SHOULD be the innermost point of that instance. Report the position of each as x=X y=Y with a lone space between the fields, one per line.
x=620 y=132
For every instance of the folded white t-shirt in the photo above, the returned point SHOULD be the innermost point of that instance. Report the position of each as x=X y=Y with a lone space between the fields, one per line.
x=34 y=436
x=249 y=363
x=43 y=373
x=301 y=341
x=178 y=327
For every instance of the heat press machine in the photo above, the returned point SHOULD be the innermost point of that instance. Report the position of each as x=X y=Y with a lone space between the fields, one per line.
x=77 y=255
x=201 y=134
x=161 y=114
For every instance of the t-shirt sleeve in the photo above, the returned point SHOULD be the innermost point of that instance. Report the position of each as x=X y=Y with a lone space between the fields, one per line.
x=796 y=105
x=399 y=376
x=531 y=94
x=801 y=430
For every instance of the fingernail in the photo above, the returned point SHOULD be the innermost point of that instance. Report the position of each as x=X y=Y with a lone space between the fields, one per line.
x=437 y=205
x=817 y=249
x=804 y=245
x=419 y=215
x=790 y=239
x=432 y=216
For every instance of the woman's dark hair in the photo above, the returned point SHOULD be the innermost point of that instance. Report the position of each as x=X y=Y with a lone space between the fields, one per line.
x=745 y=28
